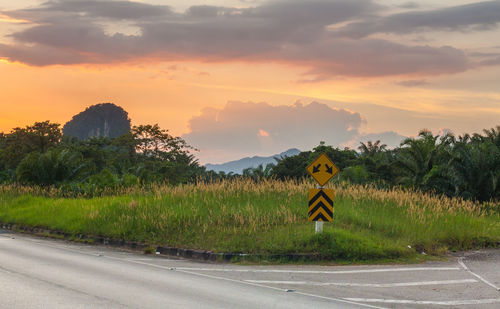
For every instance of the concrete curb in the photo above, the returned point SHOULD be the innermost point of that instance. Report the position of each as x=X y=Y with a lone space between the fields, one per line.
x=192 y=254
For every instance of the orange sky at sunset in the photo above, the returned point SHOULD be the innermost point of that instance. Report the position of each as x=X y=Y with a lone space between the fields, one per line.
x=377 y=69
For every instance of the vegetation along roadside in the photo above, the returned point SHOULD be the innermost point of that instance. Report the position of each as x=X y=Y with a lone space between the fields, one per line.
x=266 y=217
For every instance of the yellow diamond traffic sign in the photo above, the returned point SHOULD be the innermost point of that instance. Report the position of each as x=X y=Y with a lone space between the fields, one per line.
x=322 y=169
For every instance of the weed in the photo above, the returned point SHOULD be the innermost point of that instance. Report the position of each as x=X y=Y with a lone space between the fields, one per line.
x=267 y=217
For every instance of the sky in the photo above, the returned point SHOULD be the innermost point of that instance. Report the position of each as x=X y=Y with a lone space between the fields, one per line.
x=239 y=78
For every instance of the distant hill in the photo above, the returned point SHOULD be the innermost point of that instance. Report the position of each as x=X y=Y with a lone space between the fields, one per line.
x=238 y=166
x=101 y=120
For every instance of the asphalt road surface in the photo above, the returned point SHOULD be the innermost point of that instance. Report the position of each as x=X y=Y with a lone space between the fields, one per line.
x=42 y=273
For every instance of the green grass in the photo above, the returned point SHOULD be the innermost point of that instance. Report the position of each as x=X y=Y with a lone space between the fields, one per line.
x=266 y=218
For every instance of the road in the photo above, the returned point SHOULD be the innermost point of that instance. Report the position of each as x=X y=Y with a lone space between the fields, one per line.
x=43 y=273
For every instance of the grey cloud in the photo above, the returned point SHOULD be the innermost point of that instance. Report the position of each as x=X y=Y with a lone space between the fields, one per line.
x=491 y=61
x=475 y=16
x=40 y=56
x=206 y=11
x=299 y=12
x=72 y=43
x=409 y=5
x=250 y=1
x=486 y=58
x=374 y=57
x=98 y=8
x=263 y=128
x=413 y=83
x=279 y=31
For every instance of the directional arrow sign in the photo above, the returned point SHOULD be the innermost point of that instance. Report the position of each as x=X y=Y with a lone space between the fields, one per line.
x=321 y=205
x=322 y=169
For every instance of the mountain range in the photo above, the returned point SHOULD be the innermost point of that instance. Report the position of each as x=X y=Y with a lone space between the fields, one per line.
x=238 y=166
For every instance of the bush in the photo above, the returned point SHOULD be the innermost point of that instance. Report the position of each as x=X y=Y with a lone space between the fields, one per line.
x=53 y=167
x=355 y=174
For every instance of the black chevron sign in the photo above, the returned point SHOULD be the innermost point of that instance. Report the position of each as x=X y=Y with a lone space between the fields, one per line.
x=321 y=204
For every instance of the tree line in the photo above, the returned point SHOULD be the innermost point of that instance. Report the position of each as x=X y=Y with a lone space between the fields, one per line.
x=40 y=155
x=466 y=166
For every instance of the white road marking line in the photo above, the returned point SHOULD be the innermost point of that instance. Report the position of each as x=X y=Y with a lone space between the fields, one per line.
x=240 y=281
x=336 y=299
x=355 y=271
x=375 y=285
x=3 y=270
x=428 y=302
x=271 y=287
x=460 y=261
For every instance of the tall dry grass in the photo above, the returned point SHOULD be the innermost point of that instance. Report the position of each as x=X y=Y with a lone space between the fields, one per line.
x=266 y=216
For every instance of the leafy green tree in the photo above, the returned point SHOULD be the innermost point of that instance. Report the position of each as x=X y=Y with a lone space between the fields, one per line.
x=293 y=167
x=44 y=135
x=162 y=156
x=96 y=152
x=4 y=174
x=154 y=142
x=21 y=141
x=341 y=157
x=356 y=174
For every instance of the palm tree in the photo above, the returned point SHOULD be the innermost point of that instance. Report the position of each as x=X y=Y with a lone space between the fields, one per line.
x=370 y=149
x=52 y=167
x=476 y=169
x=416 y=158
x=259 y=172
x=493 y=135
x=377 y=161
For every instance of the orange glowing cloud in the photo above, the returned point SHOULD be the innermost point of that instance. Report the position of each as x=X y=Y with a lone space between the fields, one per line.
x=263 y=133
x=7 y=19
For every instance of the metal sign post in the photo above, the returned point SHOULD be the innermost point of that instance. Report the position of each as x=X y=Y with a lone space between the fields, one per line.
x=319 y=227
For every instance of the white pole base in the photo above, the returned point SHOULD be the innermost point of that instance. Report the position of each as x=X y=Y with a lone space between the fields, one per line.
x=319 y=226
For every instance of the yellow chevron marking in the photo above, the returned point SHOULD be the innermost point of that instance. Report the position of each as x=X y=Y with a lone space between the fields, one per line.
x=321 y=199
x=322 y=211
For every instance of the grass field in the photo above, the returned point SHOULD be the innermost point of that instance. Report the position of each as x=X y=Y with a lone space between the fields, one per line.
x=269 y=217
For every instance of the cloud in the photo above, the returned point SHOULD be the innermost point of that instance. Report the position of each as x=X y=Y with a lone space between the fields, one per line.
x=491 y=61
x=390 y=138
x=475 y=16
x=413 y=83
x=292 y=32
x=260 y=128
x=88 y=9
x=408 y=5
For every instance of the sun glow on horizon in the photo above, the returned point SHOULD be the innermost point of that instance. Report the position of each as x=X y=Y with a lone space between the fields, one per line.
x=412 y=77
